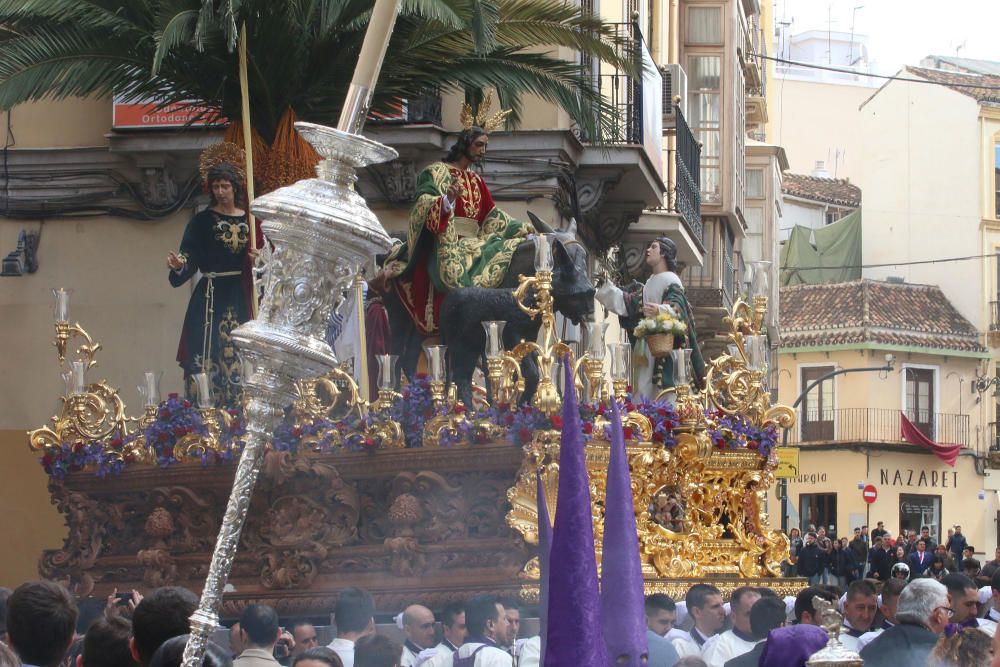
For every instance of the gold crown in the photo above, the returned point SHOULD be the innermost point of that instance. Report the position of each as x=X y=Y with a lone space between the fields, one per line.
x=480 y=119
x=224 y=151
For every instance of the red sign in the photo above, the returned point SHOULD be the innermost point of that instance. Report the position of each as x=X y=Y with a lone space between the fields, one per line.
x=146 y=115
x=870 y=494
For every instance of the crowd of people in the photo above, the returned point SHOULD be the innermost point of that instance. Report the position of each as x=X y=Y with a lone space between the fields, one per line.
x=879 y=555
x=903 y=619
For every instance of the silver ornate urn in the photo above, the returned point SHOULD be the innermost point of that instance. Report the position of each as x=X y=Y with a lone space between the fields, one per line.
x=320 y=230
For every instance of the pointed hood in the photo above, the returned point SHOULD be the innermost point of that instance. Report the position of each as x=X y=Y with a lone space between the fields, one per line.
x=622 y=595
x=574 y=601
x=544 y=550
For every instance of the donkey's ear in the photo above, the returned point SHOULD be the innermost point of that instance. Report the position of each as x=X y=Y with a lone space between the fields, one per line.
x=571 y=227
x=540 y=226
x=560 y=253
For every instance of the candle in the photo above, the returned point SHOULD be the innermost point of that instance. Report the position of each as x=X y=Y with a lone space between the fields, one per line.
x=758 y=284
x=494 y=338
x=204 y=389
x=150 y=388
x=79 y=372
x=62 y=304
x=681 y=362
x=756 y=352
x=366 y=72
x=621 y=358
x=386 y=370
x=595 y=339
x=543 y=252
x=436 y=361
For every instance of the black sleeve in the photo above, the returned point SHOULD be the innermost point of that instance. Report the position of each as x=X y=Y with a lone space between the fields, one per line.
x=192 y=245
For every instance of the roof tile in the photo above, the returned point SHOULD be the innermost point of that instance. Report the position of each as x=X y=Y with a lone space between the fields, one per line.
x=870 y=311
x=981 y=87
x=838 y=191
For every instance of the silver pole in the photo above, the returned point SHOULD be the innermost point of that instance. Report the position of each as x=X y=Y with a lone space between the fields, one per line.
x=321 y=230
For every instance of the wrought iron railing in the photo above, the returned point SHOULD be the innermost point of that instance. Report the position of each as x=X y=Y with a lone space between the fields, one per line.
x=683 y=194
x=994 y=315
x=622 y=91
x=861 y=425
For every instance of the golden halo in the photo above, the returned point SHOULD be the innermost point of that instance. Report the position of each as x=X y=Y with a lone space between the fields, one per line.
x=480 y=119
x=224 y=151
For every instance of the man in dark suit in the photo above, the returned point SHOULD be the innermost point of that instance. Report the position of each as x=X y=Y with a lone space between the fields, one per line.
x=922 y=613
x=879 y=561
x=920 y=559
x=765 y=615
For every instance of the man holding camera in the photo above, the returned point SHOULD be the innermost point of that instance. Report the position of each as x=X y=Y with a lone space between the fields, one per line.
x=261 y=634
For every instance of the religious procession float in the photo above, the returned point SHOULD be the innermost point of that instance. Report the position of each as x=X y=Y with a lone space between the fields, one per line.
x=427 y=487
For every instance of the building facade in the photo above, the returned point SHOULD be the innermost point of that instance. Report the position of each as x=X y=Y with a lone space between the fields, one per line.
x=849 y=427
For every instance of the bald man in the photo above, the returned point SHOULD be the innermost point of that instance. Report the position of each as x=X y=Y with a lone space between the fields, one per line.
x=418 y=624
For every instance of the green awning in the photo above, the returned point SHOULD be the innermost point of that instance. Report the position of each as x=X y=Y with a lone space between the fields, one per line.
x=835 y=257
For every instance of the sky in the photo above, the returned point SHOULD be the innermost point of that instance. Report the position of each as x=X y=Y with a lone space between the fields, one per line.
x=901 y=32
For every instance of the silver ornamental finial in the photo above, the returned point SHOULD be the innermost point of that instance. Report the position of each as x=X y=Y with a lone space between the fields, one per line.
x=834 y=653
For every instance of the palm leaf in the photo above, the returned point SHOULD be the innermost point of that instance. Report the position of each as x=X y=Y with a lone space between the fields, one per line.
x=178 y=30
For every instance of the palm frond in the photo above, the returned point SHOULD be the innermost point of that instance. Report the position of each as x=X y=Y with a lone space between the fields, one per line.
x=438 y=11
x=483 y=25
x=92 y=14
x=62 y=62
x=177 y=31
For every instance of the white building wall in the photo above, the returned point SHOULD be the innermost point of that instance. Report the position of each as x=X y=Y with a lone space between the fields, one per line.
x=921 y=184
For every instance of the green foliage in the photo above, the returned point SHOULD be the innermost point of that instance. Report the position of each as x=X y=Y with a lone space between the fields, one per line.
x=301 y=53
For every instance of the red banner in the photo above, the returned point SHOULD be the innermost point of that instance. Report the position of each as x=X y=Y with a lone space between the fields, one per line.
x=911 y=434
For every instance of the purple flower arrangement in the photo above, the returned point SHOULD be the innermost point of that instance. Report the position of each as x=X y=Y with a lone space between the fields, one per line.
x=176 y=418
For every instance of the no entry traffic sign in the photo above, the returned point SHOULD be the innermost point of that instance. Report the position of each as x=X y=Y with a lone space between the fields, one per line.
x=870 y=494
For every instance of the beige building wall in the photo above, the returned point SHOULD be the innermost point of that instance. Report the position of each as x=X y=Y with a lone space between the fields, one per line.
x=839 y=470
x=69 y=123
x=894 y=474
x=922 y=190
x=818 y=121
x=116 y=269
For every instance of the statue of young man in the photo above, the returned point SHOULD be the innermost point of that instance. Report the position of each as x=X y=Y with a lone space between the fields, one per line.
x=662 y=293
x=457 y=236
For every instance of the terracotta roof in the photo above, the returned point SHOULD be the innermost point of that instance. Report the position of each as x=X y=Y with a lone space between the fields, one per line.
x=983 y=88
x=838 y=191
x=966 y=64
x=871 y=311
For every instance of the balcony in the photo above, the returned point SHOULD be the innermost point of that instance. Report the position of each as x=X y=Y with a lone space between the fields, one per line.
x=993 y=446
x=993 y=332
x=873 y=425
x=680 y=216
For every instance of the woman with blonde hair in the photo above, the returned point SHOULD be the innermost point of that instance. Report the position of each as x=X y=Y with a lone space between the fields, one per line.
x=962 y=647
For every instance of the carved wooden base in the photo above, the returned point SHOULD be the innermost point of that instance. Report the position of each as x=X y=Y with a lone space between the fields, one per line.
x=423 y=525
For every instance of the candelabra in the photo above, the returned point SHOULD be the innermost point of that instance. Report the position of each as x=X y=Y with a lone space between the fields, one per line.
x=592 y=360
x=736 y=382
x=621 y=367
x=499 y=364
x=546 y=397
x=436 y=355
x=386 y=380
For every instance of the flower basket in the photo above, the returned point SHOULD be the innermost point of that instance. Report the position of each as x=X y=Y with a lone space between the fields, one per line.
x=660 y=345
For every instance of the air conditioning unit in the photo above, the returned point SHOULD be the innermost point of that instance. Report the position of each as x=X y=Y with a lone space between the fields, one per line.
x=675 y=87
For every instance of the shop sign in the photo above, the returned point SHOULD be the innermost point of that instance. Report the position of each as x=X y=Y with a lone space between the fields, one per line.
x=912 y=477
x=145 y=114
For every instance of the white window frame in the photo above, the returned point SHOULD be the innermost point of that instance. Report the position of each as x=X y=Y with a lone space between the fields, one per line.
x=799 y=388
x=936 y=408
